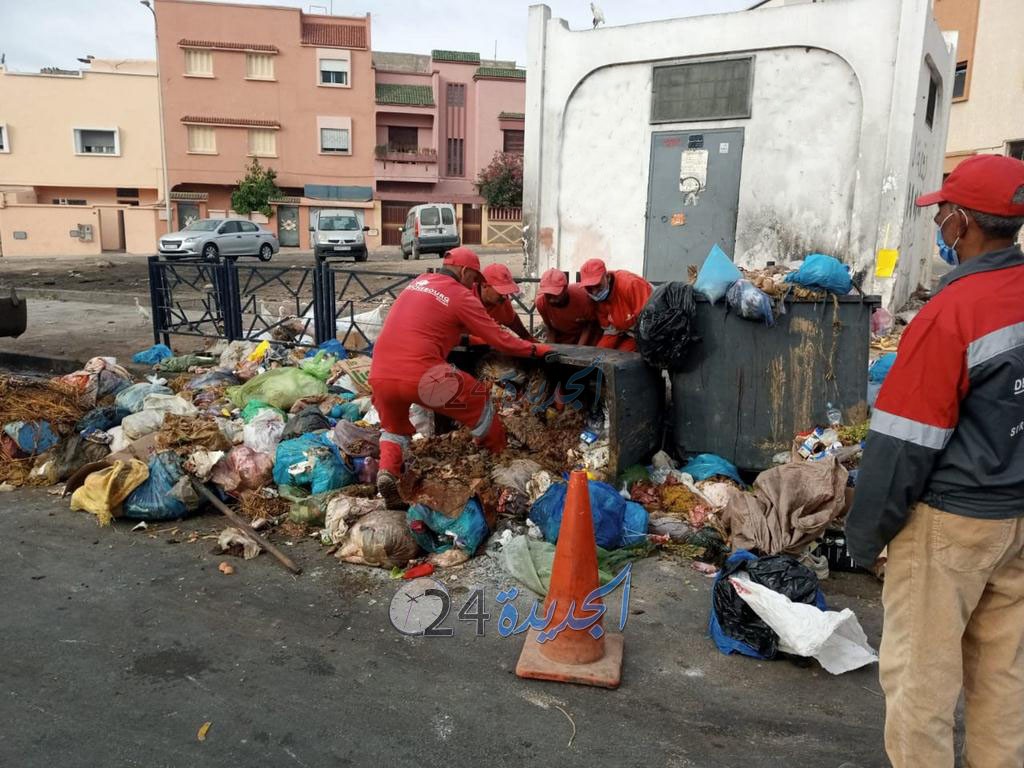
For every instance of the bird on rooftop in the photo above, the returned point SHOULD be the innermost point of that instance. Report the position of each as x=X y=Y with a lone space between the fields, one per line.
x=597 y=13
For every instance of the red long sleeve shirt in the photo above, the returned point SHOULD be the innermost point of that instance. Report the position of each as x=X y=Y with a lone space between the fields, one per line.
x=619 y=312
x=427 y=320
x=567 y=324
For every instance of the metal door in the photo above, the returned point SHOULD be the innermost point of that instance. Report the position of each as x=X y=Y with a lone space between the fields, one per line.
x=394 y=215
x=692 y=199
x=288 y=225
x=187 y=213
x=472 y=223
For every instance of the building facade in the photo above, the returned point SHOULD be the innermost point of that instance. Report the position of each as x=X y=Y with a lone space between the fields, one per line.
x=440 y=120
x=647 y=144
x=987 y=114
x=294 y=91
x=86 y=139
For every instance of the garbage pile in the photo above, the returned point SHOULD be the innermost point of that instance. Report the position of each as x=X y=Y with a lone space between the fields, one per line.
x=760 y=295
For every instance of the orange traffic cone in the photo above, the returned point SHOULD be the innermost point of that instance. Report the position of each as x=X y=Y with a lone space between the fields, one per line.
x=573 y=655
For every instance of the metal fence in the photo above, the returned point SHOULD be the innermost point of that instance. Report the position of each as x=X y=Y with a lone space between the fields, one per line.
x=227 y=300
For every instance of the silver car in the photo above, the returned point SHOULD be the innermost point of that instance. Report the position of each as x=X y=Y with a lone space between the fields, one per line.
x=229 y=238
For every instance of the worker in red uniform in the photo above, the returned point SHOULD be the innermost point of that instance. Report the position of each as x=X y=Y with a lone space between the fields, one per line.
x=569 y=314
x=410 y=363
x=498 y=285
x=620 y=295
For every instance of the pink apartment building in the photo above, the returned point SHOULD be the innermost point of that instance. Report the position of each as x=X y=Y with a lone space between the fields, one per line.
x=342 y=127
x=440 y=120
x=292 y=89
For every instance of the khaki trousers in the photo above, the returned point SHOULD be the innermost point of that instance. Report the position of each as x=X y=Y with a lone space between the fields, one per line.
x=954 y=619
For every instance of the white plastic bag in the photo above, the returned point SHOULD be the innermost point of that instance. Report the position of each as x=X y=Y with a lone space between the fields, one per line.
x=370 y=323
x=263 y=433
x=422 y=420
x=834 y=638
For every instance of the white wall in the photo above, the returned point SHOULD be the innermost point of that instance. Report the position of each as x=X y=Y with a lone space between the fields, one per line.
x=798 y=172
x=828 y=150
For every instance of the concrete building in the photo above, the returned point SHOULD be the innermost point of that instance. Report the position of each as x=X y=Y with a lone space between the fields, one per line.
x=774 y=132
x=84 y=140
x=440 y=120
x=987 y=115
x=294 y=90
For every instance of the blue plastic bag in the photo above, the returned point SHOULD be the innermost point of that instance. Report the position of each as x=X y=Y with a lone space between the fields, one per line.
x=634 y=524
x=716 y=275
x=331 y=347
x=749 y=302
x=706 y=465
x=130 y=398
x=881 y=367
x=155 y=354
x=607 y=507
x=163 y=495
x=32 y=437
x=102 y=418
x=439 y=533
x=825 y=272
x=326 y=472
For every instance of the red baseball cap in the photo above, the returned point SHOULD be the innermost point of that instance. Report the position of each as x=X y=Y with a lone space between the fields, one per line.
x=591 y=272
x=984 y=183
x=499 y=277
x=462 y=257
x=553 y=281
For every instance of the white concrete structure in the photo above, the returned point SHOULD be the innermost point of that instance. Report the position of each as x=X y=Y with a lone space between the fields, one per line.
x=845 y=123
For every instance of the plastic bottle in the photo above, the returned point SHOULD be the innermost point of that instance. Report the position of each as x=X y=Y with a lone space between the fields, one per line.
x=834 y=415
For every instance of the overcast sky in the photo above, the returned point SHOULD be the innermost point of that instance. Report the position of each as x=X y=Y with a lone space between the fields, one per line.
x=41 y=33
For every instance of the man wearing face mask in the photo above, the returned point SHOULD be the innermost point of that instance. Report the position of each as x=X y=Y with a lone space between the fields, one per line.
x=620 y=296
x=569 y=314
x=942 y=484
x=410 y=363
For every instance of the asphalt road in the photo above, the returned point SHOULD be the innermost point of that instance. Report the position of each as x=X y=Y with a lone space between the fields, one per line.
x=118 y=646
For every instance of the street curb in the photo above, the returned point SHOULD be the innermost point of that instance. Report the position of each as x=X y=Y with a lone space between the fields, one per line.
x=56 y=365
x=89 y=297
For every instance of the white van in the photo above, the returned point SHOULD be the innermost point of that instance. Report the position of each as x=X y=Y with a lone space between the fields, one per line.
x=338 y=232
x=430 y=228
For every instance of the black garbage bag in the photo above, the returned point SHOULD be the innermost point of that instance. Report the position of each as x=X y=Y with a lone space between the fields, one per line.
x=737 y=621
x=309 y=419
x=667 y=326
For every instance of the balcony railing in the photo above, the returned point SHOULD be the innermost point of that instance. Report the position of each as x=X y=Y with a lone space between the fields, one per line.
x=400 y=154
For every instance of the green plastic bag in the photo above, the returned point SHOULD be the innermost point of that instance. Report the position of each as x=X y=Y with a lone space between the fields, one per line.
x=255 y=406
x=529 y=562
x=279 y=387
x=319 y=365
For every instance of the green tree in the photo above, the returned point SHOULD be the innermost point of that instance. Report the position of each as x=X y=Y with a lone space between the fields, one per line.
x=501 y=182
x=256 y=190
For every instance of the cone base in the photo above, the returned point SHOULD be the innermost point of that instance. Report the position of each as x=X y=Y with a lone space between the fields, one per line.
x=604 y=673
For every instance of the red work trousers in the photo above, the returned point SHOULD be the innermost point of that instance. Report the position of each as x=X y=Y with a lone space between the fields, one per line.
x=442 y=389
x=617 y=341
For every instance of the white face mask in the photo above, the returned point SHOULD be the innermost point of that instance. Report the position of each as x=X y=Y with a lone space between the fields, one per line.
x=600 y=296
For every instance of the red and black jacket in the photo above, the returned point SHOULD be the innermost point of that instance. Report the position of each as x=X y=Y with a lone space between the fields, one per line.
x=948 y=426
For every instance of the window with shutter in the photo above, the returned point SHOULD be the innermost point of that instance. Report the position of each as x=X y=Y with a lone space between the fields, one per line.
x=334 y=140
x=202 y=139
x=198 y=63
x=262 y=142
x=259 y=66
